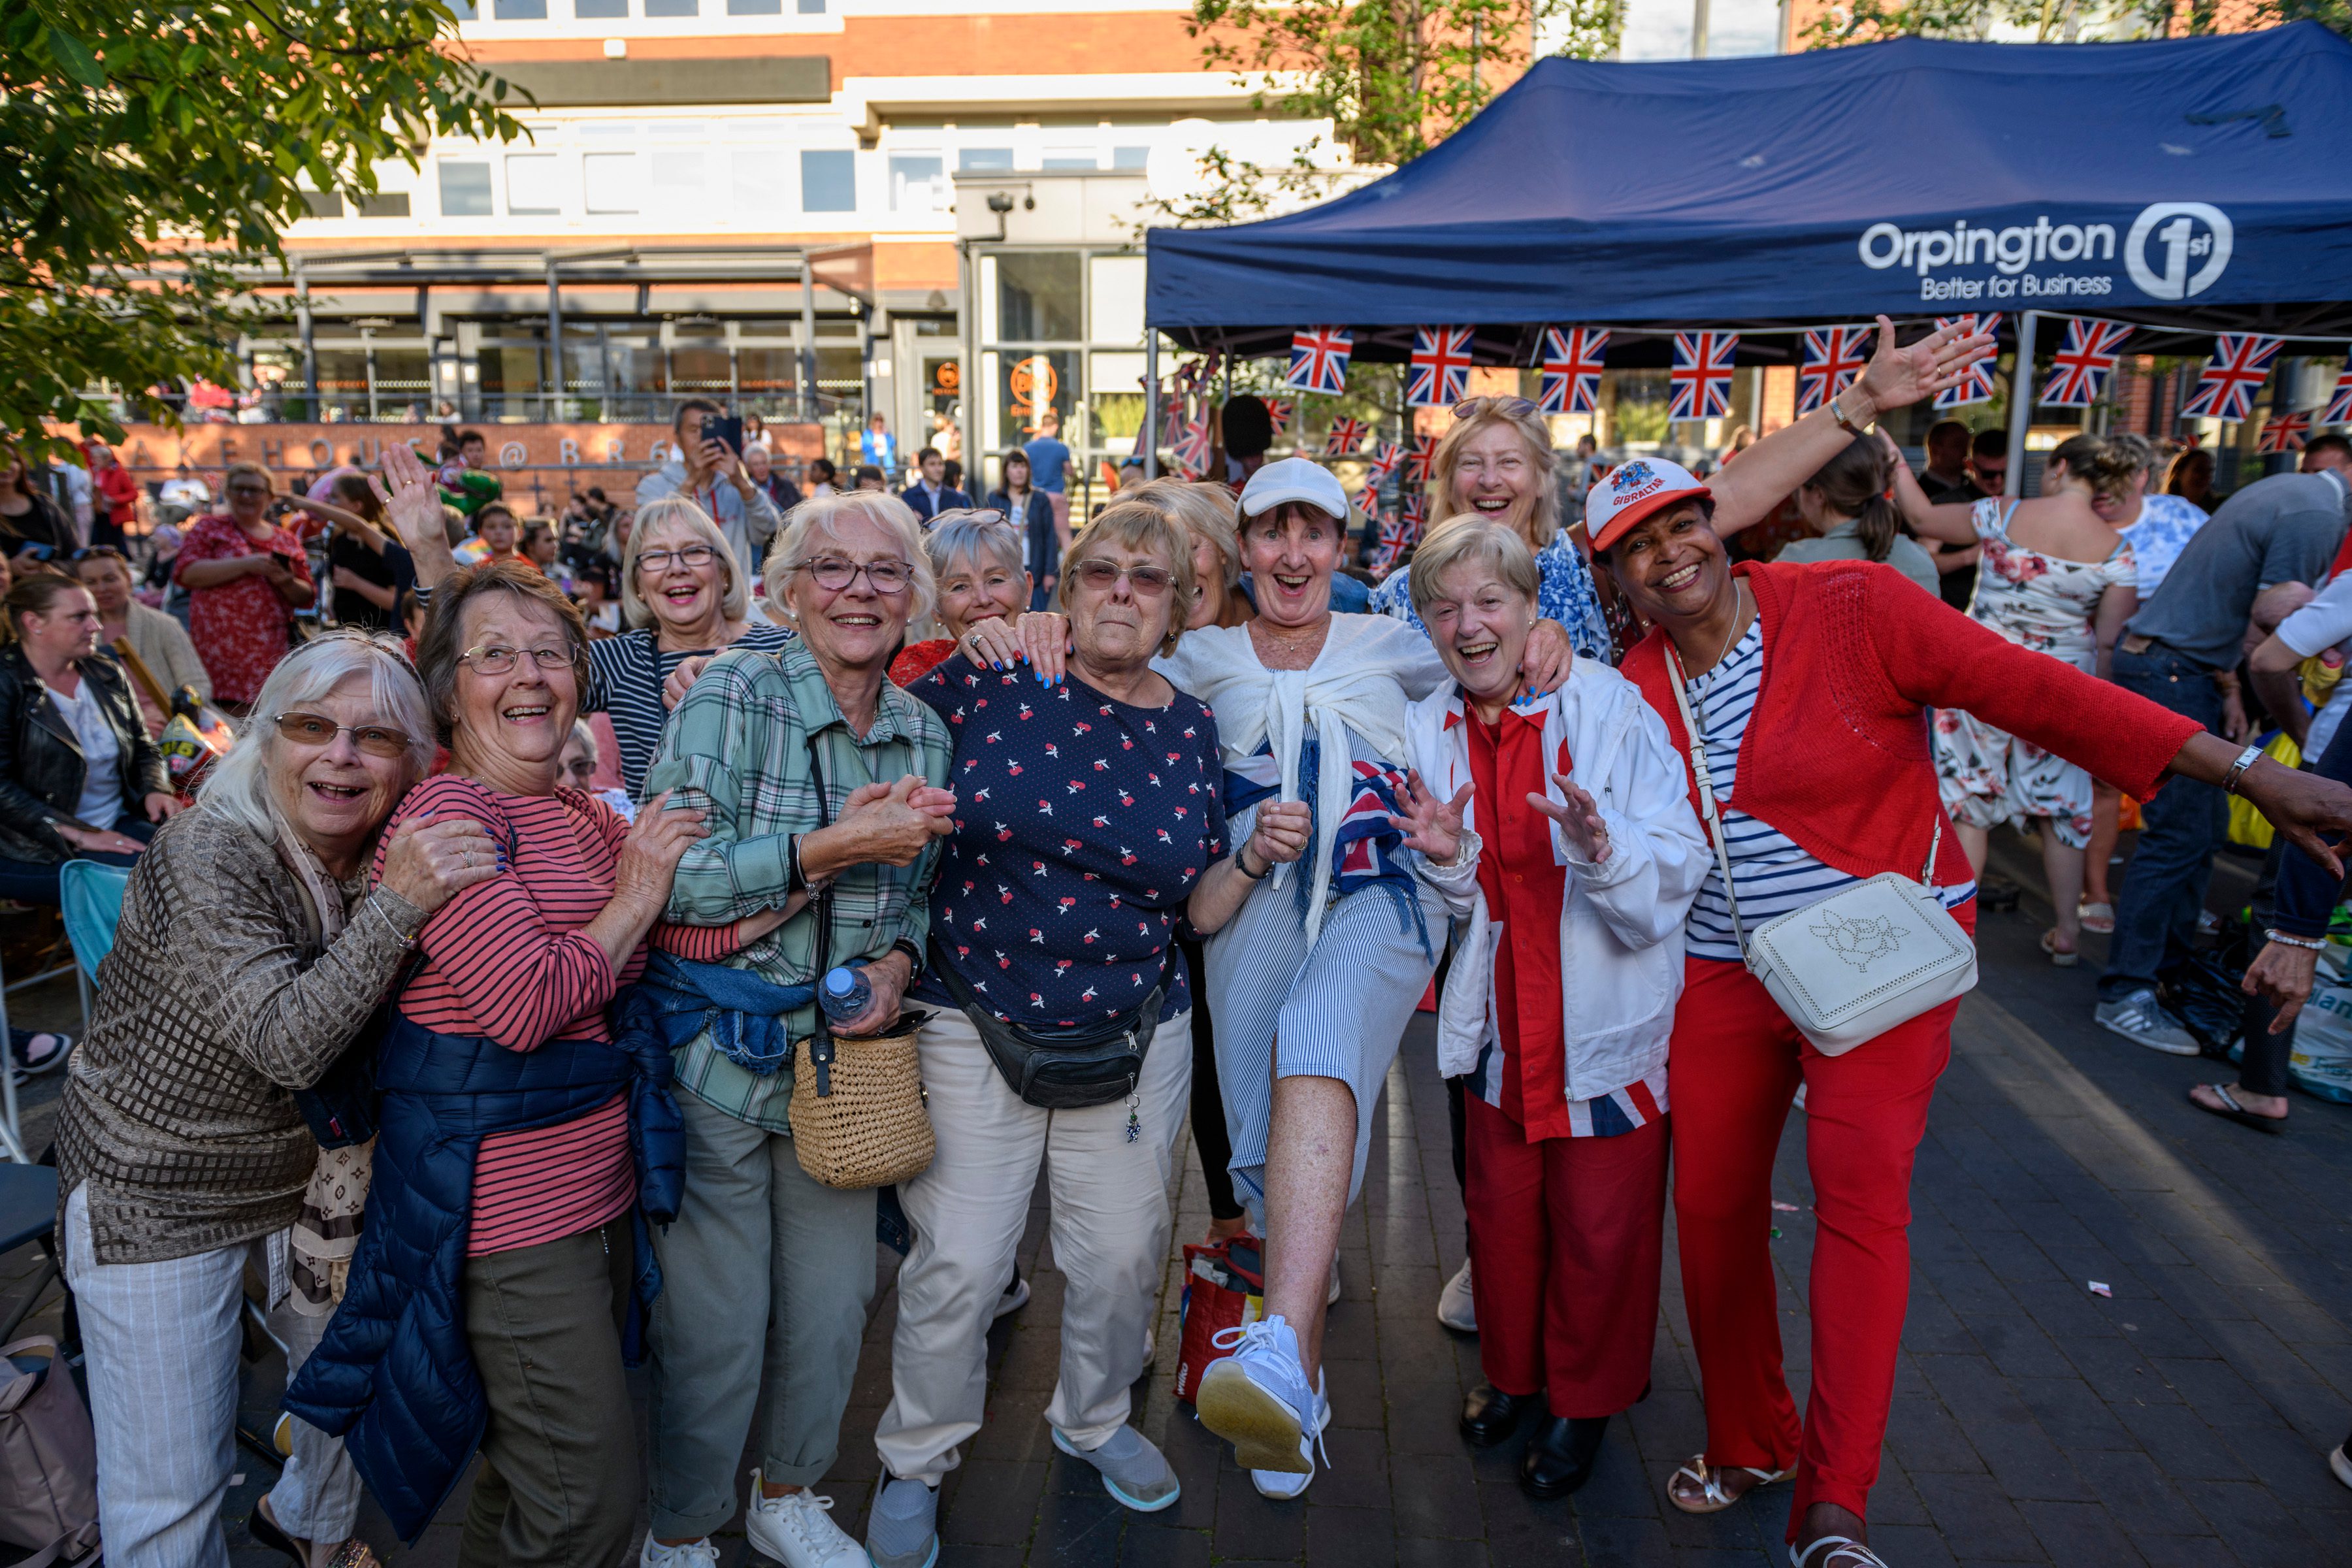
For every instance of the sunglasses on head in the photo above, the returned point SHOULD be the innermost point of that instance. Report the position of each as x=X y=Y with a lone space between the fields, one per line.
x=1509 y=407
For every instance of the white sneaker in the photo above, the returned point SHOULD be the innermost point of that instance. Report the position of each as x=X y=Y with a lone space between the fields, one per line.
x=2142 y=1019
x=1257 y=1399
x=1015 y=1297
x=693 y=1554
x=797 y=1532
x=1282 y=1486
x=1331 y=1294
x=1456 y=1308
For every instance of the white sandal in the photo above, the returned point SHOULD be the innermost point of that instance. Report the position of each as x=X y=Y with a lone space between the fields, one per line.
x=1844 y=1552
x=1714 y=1498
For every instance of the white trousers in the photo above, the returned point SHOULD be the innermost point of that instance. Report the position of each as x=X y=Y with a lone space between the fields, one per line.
x=161 y=1342
x=1109 y=1228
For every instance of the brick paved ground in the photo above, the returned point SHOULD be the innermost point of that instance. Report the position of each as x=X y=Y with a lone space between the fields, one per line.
x=2181 y=1422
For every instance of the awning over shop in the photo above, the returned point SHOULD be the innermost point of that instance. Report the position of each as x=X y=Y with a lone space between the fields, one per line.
x=2193 y=184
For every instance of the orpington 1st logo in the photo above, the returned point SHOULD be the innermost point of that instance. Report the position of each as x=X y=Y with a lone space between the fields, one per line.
x=2173 y=250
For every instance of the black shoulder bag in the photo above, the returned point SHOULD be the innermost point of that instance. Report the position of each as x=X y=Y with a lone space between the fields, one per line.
x=1064 y=1069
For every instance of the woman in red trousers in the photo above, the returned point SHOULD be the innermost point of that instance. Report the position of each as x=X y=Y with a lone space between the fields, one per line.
x=1808 y=684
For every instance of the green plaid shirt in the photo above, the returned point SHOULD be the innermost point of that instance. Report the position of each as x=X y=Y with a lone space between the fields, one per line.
x=739 y=750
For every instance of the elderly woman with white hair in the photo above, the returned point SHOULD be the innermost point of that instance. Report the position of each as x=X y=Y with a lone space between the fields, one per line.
x=251 y=954
x=820 y=781
x=977 y=560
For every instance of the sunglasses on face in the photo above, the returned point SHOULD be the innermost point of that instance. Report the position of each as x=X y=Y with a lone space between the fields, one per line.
x=1144 y=582
x=317 y=730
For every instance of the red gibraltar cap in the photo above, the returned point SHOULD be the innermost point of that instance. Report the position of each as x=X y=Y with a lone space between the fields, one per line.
x=1631 y=491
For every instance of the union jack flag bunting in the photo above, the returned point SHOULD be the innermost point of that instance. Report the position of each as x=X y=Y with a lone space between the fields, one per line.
x=1440 y=367
x=2080 y=366
x=2286 y=433
x=1386 y=456
x=1417 y=461
x=1571 y=369
x=2340 y=405
x=1345 y=437
x=1413 y=507
x=1171 y=423
x=1834 y=357
x=1192 y=451
x=1699 y=386
x=1976 y=385
x=1396 y=536
x=2241 y=363
x=1319 y=360
x=1369 y=503
x=1278 y=410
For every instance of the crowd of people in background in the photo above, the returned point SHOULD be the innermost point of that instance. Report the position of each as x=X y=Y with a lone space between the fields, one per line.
x=611 y=842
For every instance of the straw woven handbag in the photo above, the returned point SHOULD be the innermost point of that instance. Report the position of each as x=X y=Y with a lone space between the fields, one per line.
x=857 y=1110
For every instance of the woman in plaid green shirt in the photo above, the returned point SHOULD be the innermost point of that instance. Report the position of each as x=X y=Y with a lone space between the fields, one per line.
x=810 y=769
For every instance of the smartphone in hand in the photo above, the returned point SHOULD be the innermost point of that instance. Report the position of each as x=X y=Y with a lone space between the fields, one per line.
x=729 y=430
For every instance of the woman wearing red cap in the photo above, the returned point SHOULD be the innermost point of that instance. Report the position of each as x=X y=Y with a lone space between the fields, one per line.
x=1807 y=684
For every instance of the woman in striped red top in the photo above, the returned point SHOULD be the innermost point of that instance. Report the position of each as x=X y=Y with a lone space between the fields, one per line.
x=526 y=964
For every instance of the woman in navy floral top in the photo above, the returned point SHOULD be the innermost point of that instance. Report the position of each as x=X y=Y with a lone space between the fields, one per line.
x=1090 y=821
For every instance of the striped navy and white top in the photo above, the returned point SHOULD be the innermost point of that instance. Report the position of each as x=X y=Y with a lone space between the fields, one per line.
x=1771 y=874
x=625 y=676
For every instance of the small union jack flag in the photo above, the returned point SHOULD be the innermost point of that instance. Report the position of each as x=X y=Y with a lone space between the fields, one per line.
x=1278 y=411
x=1699 y=386
x=1386 y=456
x=1834 y=357
x=1414 y=508
x=2339 y=404
x=1346 y=436
x=1319 y=360
x=1369 y=503
x=1571 y=369
x=1976 y=385
x=2241 y=363
x=1417 y=461
x=1192 y=450
x=2286 y=433
x=2080 y=366
x=1440 y=367
x=1397 y=536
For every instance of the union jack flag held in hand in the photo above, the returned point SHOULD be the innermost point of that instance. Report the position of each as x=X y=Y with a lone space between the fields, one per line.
x=1571 y=369
x=1976 y=386
x=1834 y=357
x=1440 y=367
x=1345 y=437
x=2286 y=433
x=2080 y=368
x=1193 y=449
x=1397 y=536
x=1319 y=360
x=2241 y=363
x=1700 y=384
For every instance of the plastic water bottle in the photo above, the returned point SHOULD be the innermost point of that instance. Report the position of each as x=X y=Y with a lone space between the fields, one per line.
x=843 y=993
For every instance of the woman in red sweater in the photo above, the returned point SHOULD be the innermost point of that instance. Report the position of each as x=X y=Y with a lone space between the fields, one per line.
x=1809 y=684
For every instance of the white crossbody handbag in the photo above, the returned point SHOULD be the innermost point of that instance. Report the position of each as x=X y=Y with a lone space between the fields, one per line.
x=1854 y=964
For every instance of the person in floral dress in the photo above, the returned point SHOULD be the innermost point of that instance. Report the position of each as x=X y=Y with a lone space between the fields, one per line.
x=2057 y=578
x=245 y=576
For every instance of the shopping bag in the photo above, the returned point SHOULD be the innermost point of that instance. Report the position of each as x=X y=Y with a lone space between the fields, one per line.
x=1225 y=1288
x=2248 y=826
x=2320 y=1063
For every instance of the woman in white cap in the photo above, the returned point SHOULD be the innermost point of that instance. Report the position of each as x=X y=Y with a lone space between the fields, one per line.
x=1313 y=979
x=1811 y=770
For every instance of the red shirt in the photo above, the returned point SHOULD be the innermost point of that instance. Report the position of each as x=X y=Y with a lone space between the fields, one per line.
x=121 y=493
x=1527 y=888
x=241 y=628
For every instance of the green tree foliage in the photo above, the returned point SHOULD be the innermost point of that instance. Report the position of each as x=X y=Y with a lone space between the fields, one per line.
x=155 y=153
x=2059 y=21
x=1393 y=76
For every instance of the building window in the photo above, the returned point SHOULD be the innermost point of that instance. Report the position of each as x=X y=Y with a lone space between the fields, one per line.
x=463 y=10
x=759 y=182
x=531 y=190
x=1742 y=27
x=755 y=7
x=384 y=204
x=1037 y=297
x=670 y=7
x=1129 y=157
x=1656 y=30
x=465 y=188
x=828 y=182
x=918 y=185
x=520 y=10
x=985 y=160
x=610 y=182
x=600 y=10
x=1071 y=158
x=675 y=177
x=323 y=204
x=812 y=7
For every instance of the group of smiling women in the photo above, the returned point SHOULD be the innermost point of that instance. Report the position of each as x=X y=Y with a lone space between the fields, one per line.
x=584 y=1141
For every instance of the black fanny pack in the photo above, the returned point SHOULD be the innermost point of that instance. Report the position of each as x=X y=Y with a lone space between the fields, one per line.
x=1064 y=1069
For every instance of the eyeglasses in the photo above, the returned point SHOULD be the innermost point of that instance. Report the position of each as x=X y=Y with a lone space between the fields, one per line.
x=317 y=730
x=580 y=767
x=1509 y=407
x=1147 y=581
x=492 y=659
x=689 y=555
x=835 y=575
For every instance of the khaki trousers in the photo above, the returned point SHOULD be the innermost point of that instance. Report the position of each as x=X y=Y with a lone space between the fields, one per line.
x=1109 y=1230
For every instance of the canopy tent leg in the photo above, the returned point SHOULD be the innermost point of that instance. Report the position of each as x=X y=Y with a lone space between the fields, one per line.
x=2020 y=404
x=1149 y=435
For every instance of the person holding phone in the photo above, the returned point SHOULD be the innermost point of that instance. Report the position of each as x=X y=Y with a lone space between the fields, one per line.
x=245 y=576
x=707 y=469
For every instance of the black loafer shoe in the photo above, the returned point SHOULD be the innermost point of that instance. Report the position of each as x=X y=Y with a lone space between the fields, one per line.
x=1560 y=1454
x=1489 y=1415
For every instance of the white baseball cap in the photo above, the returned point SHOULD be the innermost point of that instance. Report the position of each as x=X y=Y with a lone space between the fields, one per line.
x=1298 y=479
x=1632 y=491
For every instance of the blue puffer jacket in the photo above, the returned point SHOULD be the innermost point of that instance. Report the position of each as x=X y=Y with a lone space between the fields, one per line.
x=396 y=1377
